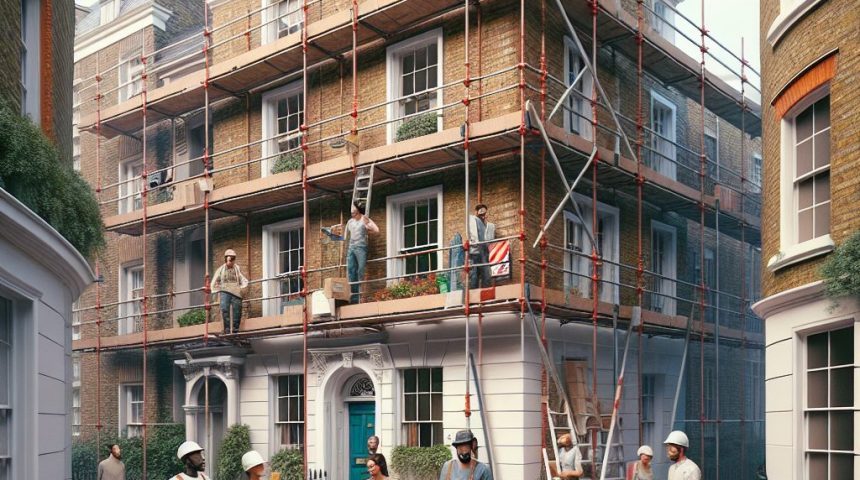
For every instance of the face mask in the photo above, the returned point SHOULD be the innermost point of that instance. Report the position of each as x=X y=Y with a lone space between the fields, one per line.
x=465 y=457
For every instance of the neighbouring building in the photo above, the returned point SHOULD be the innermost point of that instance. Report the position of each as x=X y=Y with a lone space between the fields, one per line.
x=246 y=138
x=810 y=187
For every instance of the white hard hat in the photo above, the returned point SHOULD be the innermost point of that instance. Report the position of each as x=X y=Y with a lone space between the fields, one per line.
x=186 y=448
x=230 y=253
x=251 y=459
x=678 y=437
x=645 y=449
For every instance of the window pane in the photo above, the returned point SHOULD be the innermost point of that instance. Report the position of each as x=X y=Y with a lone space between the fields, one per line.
x=804 y=158
x=436 y=403
x=842 y=346
x=424 y=380
x=822 y=219
x=423 y=407
x=421 y=81
x=437 y=433
x=283 y=409
x=816 y=350
x=283 y=385
x=817 y=465
x=426 y=435
x=818 y=430
x=817 y=389
x=421 y=58
x=408 y=63
x=409 y=380
x=804 y=125
x=842 y=431
x=805 y=193
x=295 y=411
x=423 y=211
x=408 y=214
x=822 y=114
x=421 y=234
x=409 y=237
x=841 y=466
x=410 y=402
x=822 y=187
x=842 y=387
x=432 y=73
x=5 y=431
x=408 y=87
x=804 y=226
x=437 y=380
x=822 y=149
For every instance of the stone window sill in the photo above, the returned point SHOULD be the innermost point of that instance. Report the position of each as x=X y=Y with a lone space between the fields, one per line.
x=800 y=252
x=783 y=23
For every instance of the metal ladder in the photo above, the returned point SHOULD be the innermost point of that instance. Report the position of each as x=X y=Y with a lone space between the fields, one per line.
x=362 y=187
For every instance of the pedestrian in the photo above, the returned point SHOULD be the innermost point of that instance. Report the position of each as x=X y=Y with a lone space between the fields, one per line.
x=479 y=253
x=112 y=467
x=357 y=228
x=641 y=469
x=569 y=459
x=229 y=281
x=377 y=467
x=682 y=468
x=372 y=444
x=463 y=466
x=191 y=456
x=253 y=465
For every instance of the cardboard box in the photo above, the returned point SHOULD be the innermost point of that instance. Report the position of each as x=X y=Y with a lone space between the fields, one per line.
x=337 y=288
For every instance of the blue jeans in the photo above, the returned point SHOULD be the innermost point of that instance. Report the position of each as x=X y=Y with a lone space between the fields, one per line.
x=356 y=260
x=482 y=271
x=228 y=300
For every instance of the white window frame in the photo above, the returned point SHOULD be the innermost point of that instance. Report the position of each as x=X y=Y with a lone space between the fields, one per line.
x=126 y=409
x=394 y=233
x=654 y=382
x=662 y=19
x=31 y=68
x=667 y=283
x=271 y=250
x=756 y=172
x=573 y=123
x=76 y=320
x=76 y=410
x=8 y=409
x=130 y=77
x=108 y=11
x=276 y=395
x=792 y=251
x=272 y=140
x=272 y=19
x=663 y=152
x=402 y=400
x=609 y=274
x=803 y=367
x=710 y=276
x=131 y=185
x=130 y=312
x=393 y=85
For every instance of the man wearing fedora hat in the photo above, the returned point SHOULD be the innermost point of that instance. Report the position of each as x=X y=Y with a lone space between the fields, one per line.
x=464 y=467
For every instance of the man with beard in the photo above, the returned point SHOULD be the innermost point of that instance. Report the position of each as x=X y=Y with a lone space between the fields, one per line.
x=112 y=467
x=191 y=455
x=372 y=445
x=682 y=467
x=464 y=467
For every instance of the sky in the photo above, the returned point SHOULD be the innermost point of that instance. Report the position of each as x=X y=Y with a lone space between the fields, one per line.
x=727 y=21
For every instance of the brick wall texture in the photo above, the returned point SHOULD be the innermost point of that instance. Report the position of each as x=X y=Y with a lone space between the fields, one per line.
x=831 y=26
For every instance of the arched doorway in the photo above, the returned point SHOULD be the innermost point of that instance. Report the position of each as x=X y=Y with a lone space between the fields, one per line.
x=210 y=438
x=359 y=396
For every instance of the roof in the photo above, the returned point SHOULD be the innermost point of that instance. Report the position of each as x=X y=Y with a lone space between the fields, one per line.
x=92 y=20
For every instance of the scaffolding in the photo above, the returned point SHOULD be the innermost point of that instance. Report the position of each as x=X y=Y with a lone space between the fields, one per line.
x=705 y=192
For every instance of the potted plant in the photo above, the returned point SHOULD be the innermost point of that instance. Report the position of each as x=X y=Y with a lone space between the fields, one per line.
x=417 y=126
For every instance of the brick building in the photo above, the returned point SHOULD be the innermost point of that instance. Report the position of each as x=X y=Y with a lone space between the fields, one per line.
x=809 y=56
x=251 y=148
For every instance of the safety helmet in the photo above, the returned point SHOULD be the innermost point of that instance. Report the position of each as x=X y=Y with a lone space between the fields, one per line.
x=251 y=459
x=187 y=448
x=230 y=253
x=678 y=437
x=646 y=450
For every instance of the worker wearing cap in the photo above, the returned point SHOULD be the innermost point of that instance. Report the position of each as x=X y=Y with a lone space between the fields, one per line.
x=682 y=467
x=641 y=469
x=464 y=467
x=228 y=280
x=569 y=459
x=253 y=465
x=191 y=455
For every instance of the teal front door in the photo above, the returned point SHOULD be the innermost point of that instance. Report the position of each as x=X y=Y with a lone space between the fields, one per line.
x=362 y=423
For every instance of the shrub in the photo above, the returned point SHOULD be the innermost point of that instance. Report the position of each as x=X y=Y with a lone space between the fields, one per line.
x=288 y=162
x=841 y=270
x=236 y=442
x=288 y=462
x=417 y=126
x=30 y=170
x=196 y=316
x=161 y=462
x=409 y=287
x=85 y=459
x=419 y=463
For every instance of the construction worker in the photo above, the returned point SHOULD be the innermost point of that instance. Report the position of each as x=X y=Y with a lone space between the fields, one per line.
x=191 y=456
x=228 y=280
x=464 y=467
x=358 y=226
x=253 y=465
x=479 y=253
x=569 y=459
x=641 y=469
x=682 y=467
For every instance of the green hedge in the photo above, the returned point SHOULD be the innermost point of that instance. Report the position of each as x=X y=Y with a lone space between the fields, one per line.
x=196 y=316
x=288 y=462
x=841 y=270
x=30 y=170
x=417 y=126
x=419 y=463
x=288 y=162
x=236 y=442
x=161 y=462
